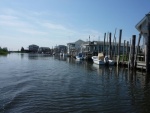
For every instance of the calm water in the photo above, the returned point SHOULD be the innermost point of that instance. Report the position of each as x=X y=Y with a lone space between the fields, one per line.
x=44 y=84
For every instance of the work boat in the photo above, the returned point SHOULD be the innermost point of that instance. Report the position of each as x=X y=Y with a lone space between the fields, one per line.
x=101 y=60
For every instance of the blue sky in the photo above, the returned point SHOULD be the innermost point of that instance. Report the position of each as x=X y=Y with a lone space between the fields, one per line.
x=48 y=23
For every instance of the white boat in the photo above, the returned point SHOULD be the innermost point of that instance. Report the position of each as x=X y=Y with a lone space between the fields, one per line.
x=108 y=61
x=101 y=60
x=61 y=54
x=80 y=56
x=97 y=61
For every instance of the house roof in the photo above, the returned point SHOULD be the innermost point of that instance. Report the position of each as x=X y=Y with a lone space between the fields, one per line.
x=138 y=25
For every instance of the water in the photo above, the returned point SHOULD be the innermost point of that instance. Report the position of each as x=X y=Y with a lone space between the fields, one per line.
x=31 y=83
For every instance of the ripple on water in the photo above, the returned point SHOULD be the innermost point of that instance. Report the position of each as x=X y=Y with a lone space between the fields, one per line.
x=42 y=85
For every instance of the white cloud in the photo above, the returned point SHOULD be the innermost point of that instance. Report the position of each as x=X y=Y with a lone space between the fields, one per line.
x=54 y=26
x=32 y=32
x=7 y=17
x=27 y=28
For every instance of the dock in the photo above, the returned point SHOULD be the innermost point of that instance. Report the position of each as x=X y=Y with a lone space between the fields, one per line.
x=141 y=65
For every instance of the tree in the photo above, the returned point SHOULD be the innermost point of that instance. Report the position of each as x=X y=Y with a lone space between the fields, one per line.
x=22 y=49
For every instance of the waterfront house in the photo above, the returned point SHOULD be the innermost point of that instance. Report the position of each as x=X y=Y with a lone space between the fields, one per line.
x=71 y=49
x=78 y=44
x=33 y=48
x=94 y=47
x=60 y=49
x=45 y=50
x=142 y=27
x=74 y=48
x=90 y=47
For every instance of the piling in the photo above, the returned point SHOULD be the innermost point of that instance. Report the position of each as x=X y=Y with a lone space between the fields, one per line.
x=148 y=51
x=137 y=50
x=133 y=51
x=114 y=45
x=129 y=61
x=104 y=44
x=107 y=43
x=110 y=55
x=123 y=51
x=127 y=51
x=118 y=58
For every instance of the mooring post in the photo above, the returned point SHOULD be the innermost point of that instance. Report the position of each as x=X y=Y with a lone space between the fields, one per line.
x=123 y=51
x=114 y=46
x=118 y=58
x=104 y=44
x=129 y=61
x=137 y=50
x=133 y=51
x=107 y=43
x=127 y=51
x=110 y=46
x=148 y=51
x=115 y=52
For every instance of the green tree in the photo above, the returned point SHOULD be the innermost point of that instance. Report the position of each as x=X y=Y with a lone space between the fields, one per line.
x=22 y=49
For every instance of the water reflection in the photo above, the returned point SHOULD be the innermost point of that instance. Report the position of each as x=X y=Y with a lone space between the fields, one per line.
x=63 y=84
x=132 y=77
x=35 y=56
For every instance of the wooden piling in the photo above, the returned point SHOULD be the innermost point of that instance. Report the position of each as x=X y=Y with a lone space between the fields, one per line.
x=148 y=51
x=110 y=56
x=118 y=58
x=137 y=50
x=129 y=61
x=123 y=51
x=114 y=46
x=107 y=43
x=127 y=51
x=104 y=44
x=133 y=51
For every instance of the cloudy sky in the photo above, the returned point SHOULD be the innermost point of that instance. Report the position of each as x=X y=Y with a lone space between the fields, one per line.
x=48 y=23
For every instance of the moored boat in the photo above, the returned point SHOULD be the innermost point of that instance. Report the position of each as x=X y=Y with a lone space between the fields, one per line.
x=80 y=56
x=101 y=60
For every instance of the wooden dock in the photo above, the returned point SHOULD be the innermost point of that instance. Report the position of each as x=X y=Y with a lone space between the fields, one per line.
x=141 y=65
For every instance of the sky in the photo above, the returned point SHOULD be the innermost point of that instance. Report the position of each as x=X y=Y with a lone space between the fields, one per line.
x=48 y=23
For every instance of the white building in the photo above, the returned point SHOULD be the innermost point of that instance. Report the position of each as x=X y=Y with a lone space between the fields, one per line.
x=70 y=48
x=142 y=27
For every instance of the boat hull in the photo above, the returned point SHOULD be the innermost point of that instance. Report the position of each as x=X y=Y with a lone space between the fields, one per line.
x=101 y=62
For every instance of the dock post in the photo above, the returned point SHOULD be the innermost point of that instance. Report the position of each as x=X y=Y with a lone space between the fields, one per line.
x=129 y=61
x=123 y=51
x=110 y=56
x=118 y=58
x=148 y=51
x=107 y=44
x=115 y=52
x=137 y=50
x=104 y=44
x=133 y=51
x=127 y=51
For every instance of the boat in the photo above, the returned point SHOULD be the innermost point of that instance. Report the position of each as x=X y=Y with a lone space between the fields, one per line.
x=61 y=54
x=88 y=56
x=80 y=56
x=97 y=61
x=101 y=60
x=108 y=61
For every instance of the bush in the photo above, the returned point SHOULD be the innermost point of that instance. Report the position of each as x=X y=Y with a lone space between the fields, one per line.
x=3 y=52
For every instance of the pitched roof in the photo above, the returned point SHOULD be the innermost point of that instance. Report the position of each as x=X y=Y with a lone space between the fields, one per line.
x=138 y=25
